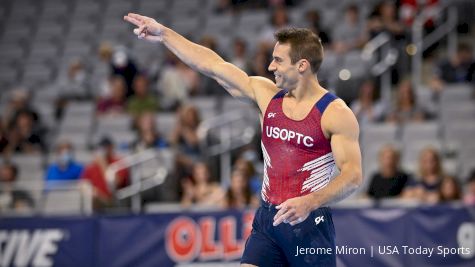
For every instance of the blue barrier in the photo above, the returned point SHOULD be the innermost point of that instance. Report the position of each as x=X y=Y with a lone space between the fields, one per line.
x=432 y=236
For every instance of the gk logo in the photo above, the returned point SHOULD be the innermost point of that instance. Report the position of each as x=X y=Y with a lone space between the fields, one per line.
x=270 y=115
x=319 y=219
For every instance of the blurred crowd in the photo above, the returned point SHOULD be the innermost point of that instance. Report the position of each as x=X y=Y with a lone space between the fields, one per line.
x=124 y=87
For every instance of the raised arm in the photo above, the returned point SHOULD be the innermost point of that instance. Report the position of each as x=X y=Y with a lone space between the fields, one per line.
x=200 y=58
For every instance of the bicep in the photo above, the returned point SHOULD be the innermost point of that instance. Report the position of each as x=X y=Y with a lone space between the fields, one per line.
x=344 y=131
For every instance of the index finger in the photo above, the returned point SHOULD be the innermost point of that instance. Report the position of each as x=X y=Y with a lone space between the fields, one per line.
x=133 y=20
x=137 y=17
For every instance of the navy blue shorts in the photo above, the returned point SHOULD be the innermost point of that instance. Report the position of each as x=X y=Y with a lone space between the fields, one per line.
x=309 y=243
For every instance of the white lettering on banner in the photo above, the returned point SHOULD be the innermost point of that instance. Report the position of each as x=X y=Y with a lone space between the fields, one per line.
x=21 y=248
x=287 y=135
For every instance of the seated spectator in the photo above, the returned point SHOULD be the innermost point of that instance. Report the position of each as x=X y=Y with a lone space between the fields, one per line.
x=390 y=180
x=248 y=169
x=147 y=134
x=260 y=62
x=20 y=103
x=177 y=82
x=239 y=56
x=426 y=188
x=115 y=102
x=11 y=198
x=406 y=108
x=65 y=168
x=223 y=7
x=349 y=34
x=3 y=138
x=469 y=196
x=239 y=194
x=123 y=66
x=313 y=20
x=199 y=187
x=384 y=19
x=185 y=136
x=207 y=85
x=279 y=19
x=75 y=84
x=94 y=173
x=460 y=68
x=24 y=137
x=366 y=108
x=72 y=86
x=142 y=101
x=449 y=190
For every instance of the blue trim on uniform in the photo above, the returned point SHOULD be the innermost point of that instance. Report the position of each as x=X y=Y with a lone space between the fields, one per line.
x=280 y=94
x=323 y=103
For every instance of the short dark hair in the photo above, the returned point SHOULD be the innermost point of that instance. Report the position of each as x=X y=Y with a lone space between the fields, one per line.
x=304 y=44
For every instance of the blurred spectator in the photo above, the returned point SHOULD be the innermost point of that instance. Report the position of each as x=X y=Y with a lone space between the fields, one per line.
x=3 y=138
x=24 y=137
x=349 y=34
x=247 y=168
x=223 y=7
x=147 y=134
x=261 y=61
x=11 y=198
x=116 y=101
x=313 y=20
x=384 y=19
x=102 y=71
x=176 y=83
x=239 y=194
x=390 y=180
x=185 y=135
x=65 y=167
x=366 y=108
x=95 y=174
x=123 y=65
x=469 y=196
x=406 y=108
x=199 y=188
x=426 y=188
x=279 y=19
x=239 y=56
x=73 y=86
x=411 y=8
x=449 y=190
x=142 y=101
x=458 y=69
x=20 y=103
x=208 y=86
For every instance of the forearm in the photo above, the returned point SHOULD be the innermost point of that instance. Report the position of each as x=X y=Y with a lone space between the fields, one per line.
x=338 y=189
x=196 y=56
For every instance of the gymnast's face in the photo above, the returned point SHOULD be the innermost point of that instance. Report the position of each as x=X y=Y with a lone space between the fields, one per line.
x=286 y=74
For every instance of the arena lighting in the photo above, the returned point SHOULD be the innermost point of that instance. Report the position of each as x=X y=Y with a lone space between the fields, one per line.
x=411 y=49
x=344 y=74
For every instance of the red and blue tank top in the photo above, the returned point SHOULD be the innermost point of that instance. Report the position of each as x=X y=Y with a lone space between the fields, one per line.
x=298 y=158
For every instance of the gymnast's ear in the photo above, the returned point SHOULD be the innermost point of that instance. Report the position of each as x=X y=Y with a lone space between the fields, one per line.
x=303 y=65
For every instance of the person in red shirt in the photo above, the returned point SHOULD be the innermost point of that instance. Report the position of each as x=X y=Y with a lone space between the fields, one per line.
x=94 y=173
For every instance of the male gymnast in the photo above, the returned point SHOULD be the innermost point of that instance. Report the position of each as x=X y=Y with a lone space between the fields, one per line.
x=308 y=134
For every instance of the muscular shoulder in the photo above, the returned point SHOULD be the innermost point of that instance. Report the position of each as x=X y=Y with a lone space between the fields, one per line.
x=339 y=119
x=264 y=89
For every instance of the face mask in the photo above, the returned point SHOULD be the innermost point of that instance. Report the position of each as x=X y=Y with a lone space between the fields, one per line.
x=65 y=158
x=250 y=155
